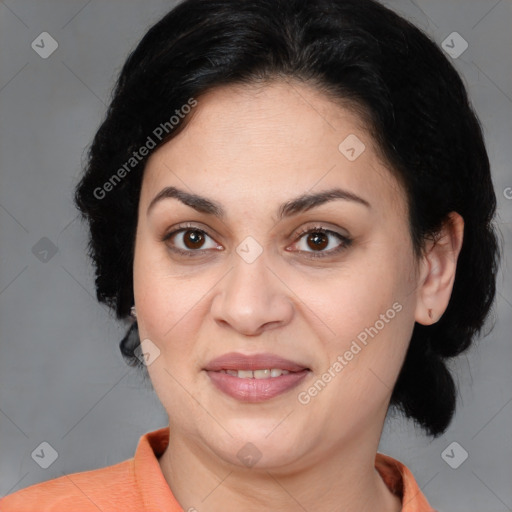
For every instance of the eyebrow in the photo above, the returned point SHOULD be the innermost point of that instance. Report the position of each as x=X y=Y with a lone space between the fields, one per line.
x=297 y=205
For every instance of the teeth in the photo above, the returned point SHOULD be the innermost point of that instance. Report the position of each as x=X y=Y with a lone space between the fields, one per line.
x=261 y=374
x=256 y=374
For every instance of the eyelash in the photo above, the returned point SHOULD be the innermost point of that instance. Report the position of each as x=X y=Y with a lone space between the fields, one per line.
x=345 y=241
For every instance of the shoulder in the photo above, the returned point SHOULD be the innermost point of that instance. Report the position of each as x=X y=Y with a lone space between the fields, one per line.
x=108 y=488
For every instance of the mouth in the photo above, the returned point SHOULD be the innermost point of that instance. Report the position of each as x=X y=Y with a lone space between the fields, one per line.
x=254 y=378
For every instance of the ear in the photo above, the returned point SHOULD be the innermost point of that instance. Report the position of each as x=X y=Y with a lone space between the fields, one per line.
x=437 y=270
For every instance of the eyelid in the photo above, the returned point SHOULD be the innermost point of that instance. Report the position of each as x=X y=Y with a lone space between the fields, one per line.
x=184 y=226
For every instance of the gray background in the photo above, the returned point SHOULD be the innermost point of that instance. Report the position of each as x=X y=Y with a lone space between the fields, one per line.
x=62 y=379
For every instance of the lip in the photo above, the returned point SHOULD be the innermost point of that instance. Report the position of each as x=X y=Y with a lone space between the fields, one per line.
x=254 y=390
x=237 y=361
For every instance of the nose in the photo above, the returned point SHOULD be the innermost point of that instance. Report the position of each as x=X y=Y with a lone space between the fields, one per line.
x=252 y=298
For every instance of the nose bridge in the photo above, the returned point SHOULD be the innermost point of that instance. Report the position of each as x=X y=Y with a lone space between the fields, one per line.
x=252 y=298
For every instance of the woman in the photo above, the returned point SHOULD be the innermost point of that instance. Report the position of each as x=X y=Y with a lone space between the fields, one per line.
x=289 y=198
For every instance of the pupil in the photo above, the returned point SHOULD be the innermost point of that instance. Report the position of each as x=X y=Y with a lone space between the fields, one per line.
x=319 y=240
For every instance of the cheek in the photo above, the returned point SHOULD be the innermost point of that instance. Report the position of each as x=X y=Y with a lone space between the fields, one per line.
x=170 y=304
x=369 y=310
x=169 y=311
x=356 y=297
x=170 y=308
x=362 y=360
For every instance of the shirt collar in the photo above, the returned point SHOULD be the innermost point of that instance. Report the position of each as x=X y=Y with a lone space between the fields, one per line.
x=401 y=482
x=153 y=486
x=157 y=495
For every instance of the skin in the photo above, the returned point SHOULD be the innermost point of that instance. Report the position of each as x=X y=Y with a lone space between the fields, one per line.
x=252 y=148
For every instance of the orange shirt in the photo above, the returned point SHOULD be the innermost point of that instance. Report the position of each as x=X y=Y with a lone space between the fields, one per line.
x=138 y=485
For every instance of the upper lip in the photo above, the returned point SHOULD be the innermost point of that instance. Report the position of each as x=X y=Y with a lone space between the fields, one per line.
x=237 y=361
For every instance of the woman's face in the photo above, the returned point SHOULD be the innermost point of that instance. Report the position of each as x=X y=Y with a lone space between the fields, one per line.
x=335 y=309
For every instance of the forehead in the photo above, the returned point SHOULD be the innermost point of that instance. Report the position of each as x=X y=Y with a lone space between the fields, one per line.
x=271 y=140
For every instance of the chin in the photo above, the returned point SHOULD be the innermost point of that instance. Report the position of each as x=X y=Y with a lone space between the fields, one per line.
x=263 y=443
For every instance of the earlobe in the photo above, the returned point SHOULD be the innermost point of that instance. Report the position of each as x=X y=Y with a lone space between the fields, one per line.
x=439 y=264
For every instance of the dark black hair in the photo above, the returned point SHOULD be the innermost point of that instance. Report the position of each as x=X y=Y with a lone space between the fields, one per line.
x=409 y=94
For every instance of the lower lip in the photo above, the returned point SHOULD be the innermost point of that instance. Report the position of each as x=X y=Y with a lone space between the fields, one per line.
x=255 y=390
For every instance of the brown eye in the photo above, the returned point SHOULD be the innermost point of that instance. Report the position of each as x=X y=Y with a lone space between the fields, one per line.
x=189 y=241
x=317 y=241
x=313 y=242
x=193 y=239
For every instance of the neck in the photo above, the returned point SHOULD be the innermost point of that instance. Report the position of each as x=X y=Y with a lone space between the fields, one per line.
x=343 y=479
